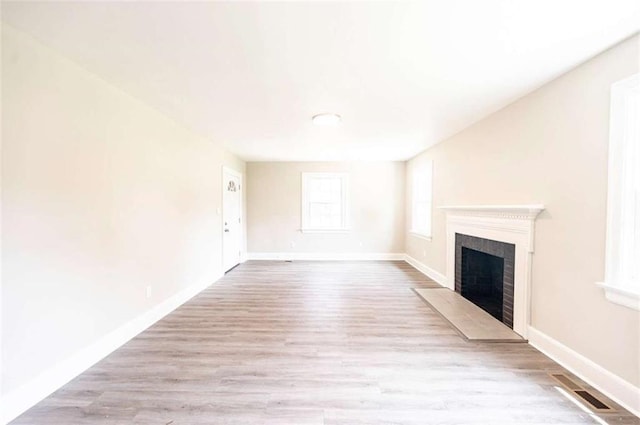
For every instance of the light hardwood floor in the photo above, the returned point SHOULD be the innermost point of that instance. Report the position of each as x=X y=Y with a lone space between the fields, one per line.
x=313 y=343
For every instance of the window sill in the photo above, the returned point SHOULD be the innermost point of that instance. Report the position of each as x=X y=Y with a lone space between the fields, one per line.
x=334 y=231
x=622 y=296
x=420 y=235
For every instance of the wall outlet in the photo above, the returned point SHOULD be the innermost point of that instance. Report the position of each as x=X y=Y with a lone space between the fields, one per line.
x=293 y=244
x=424 y=253
x=361 y=244
x=148 y=292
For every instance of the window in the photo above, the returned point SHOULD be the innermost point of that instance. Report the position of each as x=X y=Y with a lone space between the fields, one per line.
x=422 y=194
x=622 y=271
x=325 y=199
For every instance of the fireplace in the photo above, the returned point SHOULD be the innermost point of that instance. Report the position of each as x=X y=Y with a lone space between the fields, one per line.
x=484 y=274
x=513 y=225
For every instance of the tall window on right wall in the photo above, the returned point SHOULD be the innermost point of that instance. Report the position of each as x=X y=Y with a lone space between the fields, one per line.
x=422 y=182
x=622 y=268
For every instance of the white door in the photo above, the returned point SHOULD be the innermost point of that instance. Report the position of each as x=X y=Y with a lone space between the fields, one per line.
x=231 y=218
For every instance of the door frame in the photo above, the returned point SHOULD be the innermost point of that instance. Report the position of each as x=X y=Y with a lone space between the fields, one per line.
x=238 y=174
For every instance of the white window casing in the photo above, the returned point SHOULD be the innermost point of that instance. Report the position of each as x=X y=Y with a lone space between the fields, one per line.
x=622 y=258
x=325 y=202
x=422 y=199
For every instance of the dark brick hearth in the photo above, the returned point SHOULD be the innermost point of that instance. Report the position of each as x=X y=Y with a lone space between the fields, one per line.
x=484 y=274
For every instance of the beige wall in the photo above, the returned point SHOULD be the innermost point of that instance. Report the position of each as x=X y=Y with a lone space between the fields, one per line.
x=549 y=147
x=101 y=197
x=274 y=208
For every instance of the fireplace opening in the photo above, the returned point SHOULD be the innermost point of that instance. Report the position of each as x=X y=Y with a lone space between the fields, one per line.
x=483 y=281
x=484 y=274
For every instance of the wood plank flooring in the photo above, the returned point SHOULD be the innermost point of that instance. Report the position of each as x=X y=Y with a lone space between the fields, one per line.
x=314 y=343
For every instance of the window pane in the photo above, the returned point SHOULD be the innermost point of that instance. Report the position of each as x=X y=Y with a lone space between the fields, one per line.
x=421 y=208
x=623 y=227
x=334 y=189
x=635 y=256
x=314 y=190
x=322 y=189
x=325 y=215
x=633 y=133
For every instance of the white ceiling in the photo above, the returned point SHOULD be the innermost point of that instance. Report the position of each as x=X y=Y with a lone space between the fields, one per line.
x=404 y=76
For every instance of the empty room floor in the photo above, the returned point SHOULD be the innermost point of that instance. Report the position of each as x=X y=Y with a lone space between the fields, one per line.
x=314 y=343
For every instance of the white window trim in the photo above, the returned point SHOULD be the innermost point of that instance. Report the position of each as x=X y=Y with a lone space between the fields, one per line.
x=620 y=295
x=332 y=231
x=615 y=288
x=413 y=231
x=305 y=228
x=421 y=235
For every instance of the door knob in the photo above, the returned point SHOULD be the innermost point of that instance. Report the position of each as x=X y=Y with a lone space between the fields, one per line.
x=226 y=230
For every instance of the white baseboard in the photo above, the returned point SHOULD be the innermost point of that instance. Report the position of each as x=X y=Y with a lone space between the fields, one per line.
x=617 y=389
x=426 y=270
x=20 y=400
x=325 y=256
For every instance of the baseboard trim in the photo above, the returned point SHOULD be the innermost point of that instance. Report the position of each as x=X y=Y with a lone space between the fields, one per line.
x=617 y=389
x=20 y=400
x=324 y=256
x=426 y=270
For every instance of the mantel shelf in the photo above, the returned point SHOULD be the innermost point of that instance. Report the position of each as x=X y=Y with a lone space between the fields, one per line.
x=528 y=211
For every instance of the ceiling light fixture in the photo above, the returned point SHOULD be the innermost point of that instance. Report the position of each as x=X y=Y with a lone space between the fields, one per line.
x=326 y=120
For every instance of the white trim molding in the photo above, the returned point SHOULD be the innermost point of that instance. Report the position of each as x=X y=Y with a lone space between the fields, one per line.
x=432 y=274
x=617 y=389
x=326 y=231
x=325 y=256
x=422 y=199
x=622 y=272
x=529 y=211
x=620 y=295
x=420 y=236
x=21 y=399
x=305 y=209
x=512 y=224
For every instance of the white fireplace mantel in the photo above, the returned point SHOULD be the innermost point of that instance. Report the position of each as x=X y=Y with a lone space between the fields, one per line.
x=530 y=211
x=514 y=224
